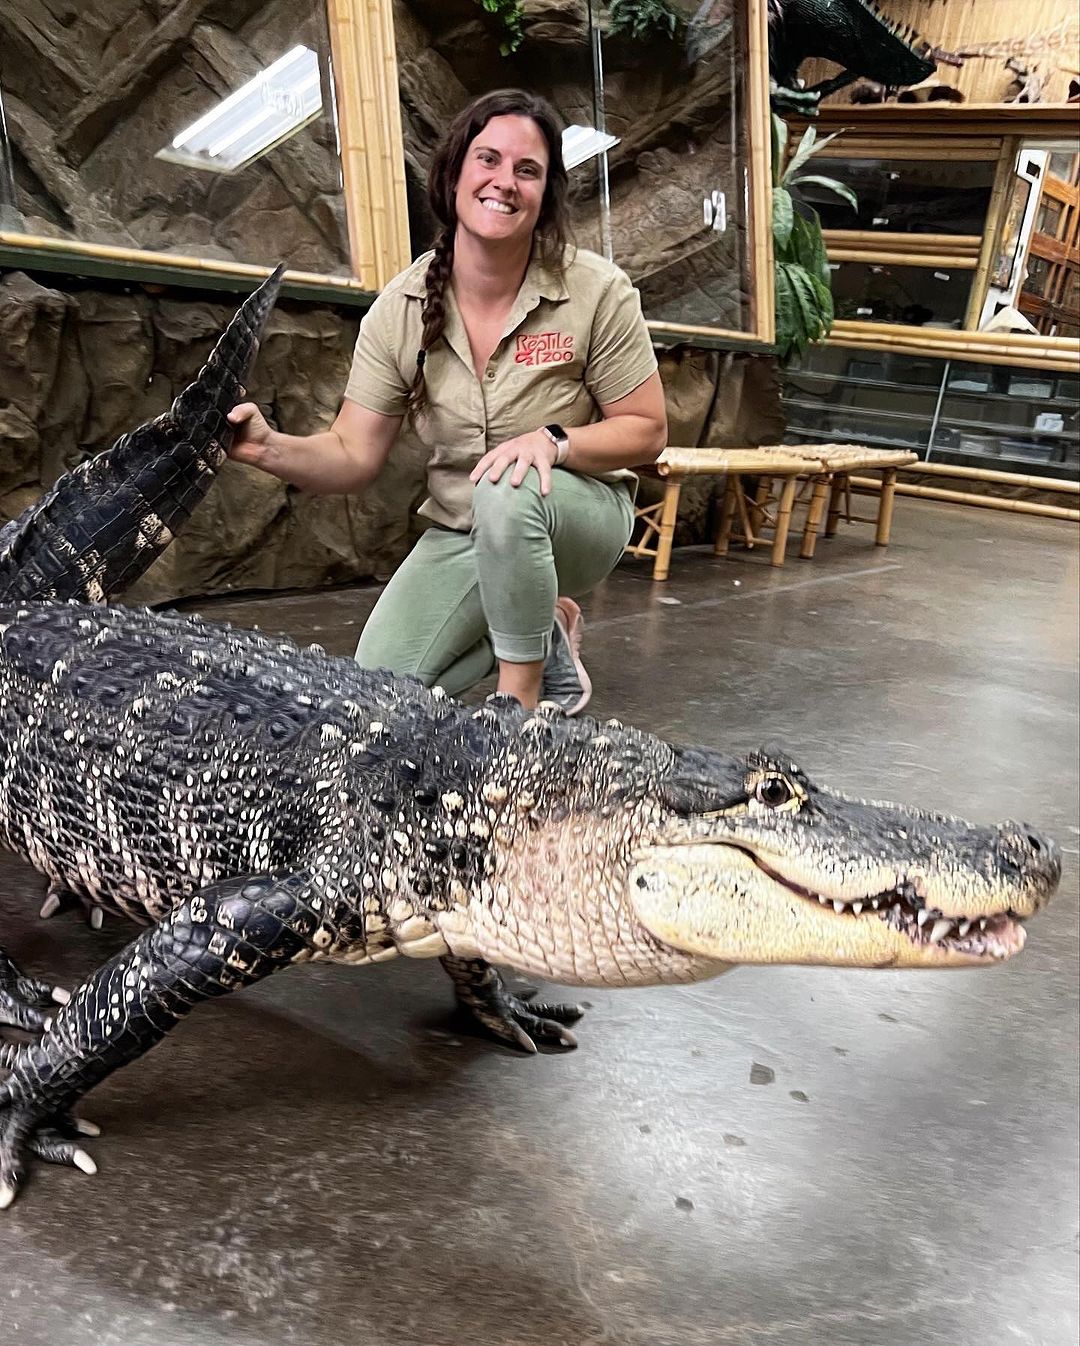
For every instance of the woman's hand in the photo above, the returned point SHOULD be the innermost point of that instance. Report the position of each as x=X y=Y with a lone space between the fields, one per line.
x=525 y=451
x=251 y=434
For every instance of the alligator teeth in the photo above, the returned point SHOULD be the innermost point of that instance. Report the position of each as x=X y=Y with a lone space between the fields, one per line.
x=940 y=930
x=875 y=902
x=857 y=907
x=823 y=900
x=837 y=905
x=923 y=917
x=964 y=927
x=982 y=923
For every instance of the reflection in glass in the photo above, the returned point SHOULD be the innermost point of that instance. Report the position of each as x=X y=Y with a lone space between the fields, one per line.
x=268 y=109
x=915 y=295
x=88 y=110
x=667 y=202
x=907 y=196
x=679 y=175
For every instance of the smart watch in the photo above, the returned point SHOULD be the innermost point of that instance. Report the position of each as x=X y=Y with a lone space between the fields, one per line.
x=561 y=440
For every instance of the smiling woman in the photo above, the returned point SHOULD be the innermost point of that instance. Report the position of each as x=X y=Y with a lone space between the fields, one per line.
x=522 y=369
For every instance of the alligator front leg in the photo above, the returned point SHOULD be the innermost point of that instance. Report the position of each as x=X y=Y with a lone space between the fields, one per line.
x=26 y=1002
x=224 y=937
x=481 y=990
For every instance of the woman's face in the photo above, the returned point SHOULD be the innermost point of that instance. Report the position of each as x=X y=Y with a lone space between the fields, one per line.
x=501 y=186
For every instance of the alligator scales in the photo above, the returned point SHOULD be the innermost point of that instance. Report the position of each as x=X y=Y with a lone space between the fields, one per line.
x=254 y=804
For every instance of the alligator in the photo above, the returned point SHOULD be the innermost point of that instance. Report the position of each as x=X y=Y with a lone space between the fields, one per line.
x=854 y=34
x=255 y=805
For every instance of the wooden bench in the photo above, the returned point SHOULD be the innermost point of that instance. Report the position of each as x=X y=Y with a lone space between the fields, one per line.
x=821 y=469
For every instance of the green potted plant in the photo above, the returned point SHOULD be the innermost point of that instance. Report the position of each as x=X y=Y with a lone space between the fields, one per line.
x=804 y=302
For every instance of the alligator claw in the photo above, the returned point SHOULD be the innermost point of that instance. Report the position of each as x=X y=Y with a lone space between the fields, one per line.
x=513 y=1021
x=25 y=1001
x=483 y=993
x=62 y=899
x=25 y=1134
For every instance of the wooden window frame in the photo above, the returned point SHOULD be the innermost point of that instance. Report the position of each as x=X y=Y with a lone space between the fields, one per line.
x=363 y=50
x=918 y=131
x=373 y=170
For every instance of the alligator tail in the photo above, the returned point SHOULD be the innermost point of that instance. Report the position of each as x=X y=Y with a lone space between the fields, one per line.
x=103 y=524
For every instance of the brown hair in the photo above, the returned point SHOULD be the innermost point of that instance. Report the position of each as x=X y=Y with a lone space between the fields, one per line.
x=552 y=227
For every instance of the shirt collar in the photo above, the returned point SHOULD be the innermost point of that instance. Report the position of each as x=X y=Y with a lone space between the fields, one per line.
x=540 y=283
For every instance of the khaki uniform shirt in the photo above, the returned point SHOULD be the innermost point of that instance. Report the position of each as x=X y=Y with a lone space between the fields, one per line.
x=570 y=344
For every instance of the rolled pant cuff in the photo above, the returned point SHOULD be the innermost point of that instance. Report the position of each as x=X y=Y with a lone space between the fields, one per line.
x=518 y=649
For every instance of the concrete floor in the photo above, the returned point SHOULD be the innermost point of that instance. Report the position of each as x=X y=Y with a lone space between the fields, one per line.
x=789 y=1156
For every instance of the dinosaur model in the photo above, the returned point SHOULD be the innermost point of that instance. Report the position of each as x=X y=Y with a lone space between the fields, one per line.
x=852 y=33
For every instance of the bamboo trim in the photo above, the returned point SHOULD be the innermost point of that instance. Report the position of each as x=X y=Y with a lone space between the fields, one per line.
x=956 y=261
x=939 y=350
x=1024 y=348
x=855 y=146
x=1000 y=197
x=961 y=244
x=680 y=329
x=759 y=141
x=369 y=126
x=1034 y=121
x=936 y=469
x=988 y=338
x=106 y=252
x=967 y=498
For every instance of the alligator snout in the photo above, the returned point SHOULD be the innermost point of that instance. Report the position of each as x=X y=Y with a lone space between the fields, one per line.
x=1030 y=856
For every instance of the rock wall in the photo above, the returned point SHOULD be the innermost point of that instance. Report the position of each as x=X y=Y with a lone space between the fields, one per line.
x=81 y=365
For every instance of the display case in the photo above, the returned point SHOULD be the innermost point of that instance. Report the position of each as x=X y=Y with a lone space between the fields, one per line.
x=672 y=101
x=1003 y=417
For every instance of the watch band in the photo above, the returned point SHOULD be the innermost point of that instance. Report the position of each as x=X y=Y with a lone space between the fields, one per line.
x=561 y=440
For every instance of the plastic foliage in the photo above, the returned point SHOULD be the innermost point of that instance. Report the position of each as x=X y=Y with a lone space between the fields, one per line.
x=642 y=20
x=804 y=302
x=512 y=17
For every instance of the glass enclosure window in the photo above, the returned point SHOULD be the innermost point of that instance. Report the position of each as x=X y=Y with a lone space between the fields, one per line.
x=906 y=196
x=915 y=295
x=981 y=415
x=1038 y=275
x=668 y=200
x=871 y=397
x=250 y=176
x=1048 y=219
x=677 y=177
x=1003 y=416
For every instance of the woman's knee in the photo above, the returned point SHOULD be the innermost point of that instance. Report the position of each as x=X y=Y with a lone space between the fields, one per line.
x=504 y=515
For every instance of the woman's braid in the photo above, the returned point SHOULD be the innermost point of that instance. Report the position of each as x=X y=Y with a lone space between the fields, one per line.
x=433 y=314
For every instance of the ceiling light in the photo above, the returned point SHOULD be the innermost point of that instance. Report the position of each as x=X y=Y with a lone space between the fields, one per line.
x=264 y=112
x=584 y=142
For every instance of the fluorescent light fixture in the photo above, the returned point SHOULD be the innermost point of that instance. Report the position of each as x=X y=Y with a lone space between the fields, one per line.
x=264 y=112
x=584 y=142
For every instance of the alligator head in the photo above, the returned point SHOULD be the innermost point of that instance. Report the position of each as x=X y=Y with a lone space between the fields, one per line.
x=852 y=33
x=657 y=863
x=769 y=868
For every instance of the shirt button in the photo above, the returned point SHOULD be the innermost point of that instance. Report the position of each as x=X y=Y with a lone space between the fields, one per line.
x=490 y=374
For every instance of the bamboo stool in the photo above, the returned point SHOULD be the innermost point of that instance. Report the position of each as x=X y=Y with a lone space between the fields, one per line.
x=823 y=469
x=675 y=465
x=830 y=496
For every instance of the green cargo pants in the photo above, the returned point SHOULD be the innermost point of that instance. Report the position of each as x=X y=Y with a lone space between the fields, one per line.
x=461 y=601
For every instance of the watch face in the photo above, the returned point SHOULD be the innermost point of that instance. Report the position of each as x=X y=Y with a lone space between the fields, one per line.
x=555 y=431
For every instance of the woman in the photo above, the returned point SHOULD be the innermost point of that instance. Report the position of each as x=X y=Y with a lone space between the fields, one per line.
x=525 y=370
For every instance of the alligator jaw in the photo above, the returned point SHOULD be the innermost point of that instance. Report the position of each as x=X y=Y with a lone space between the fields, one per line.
x=720 y=902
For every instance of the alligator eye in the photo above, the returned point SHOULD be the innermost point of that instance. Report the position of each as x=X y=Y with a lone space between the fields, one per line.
x=773 y=792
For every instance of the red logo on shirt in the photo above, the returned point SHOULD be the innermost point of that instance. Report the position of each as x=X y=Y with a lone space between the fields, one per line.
x=544 y=348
